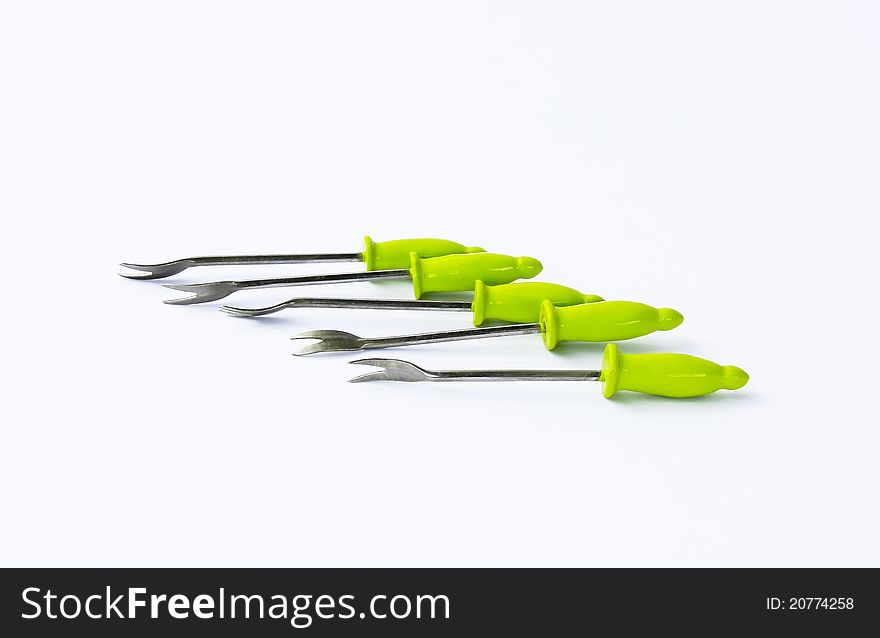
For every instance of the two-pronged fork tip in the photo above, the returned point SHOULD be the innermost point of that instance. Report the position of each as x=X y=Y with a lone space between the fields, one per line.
x=310 y=348
x=375 y=375
x=147 y=272
x=328 y=341
x=390 y=370
x=202 y=293
x=182 y=301
x=155 y=271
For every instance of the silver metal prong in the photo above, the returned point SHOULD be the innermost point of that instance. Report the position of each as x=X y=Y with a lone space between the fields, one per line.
x=255 y=312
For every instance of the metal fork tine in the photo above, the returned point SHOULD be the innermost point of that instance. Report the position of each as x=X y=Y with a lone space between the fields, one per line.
x=145 y=276
x=323 y=334
x=311 y=348
x=235 y=311
x=378 y=375
x=378 y=363
x=183 y=301
x=147 y=267
x=185 y=287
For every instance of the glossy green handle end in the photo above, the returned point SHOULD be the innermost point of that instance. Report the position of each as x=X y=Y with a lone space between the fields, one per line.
x=603 y=321
x=521 y=302
x=462 y=272
x=666 y=375
x=391 y=255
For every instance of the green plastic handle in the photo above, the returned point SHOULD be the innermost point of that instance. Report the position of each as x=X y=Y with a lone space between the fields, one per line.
x=603 y=321
x=521 y=302
x=394 y=254
x=666 y=375
x=462 y=272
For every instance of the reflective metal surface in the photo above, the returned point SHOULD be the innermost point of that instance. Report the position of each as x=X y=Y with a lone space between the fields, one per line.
x=339 y=341
x=398 y=370
x=203 y=293
x=168 y=268
x=363 y=304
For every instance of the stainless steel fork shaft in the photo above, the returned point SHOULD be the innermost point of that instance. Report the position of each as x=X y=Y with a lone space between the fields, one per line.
x=451 y=335
x=361 y=304
x=403 y=273
x=215 y=290
x=168 y=268
x=243 y=260
x=514 y=375
x=399 y=370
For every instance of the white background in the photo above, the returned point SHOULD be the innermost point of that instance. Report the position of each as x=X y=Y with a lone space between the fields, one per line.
x=718 y=158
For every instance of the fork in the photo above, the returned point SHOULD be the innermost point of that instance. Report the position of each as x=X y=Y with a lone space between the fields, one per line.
x=661 y=374
x=376 y=255
x=590 y=322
